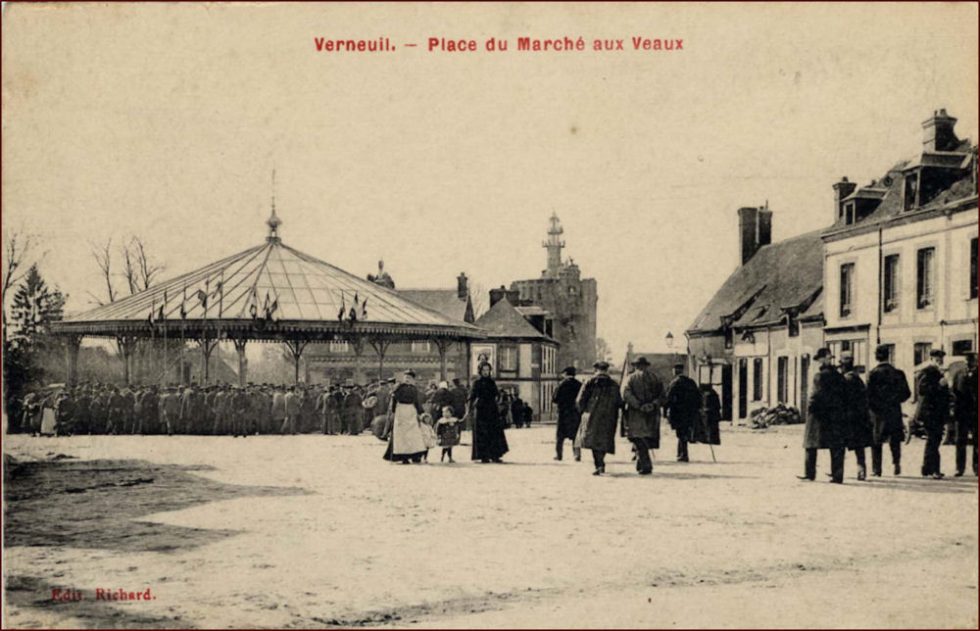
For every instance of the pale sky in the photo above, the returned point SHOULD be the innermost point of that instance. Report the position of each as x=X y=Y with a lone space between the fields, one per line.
x=165 y=121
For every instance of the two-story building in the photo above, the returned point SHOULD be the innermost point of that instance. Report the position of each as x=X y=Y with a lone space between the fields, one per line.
x=901 y=256
x=754 y=340
x=524 y=357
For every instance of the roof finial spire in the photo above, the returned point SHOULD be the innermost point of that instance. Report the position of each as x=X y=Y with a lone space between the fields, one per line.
x=273 y=221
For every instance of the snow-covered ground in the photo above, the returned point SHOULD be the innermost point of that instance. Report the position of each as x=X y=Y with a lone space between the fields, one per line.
x=354 y=540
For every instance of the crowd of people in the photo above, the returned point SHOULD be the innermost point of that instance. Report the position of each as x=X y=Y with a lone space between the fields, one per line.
x=844 y=413
x=95 y=408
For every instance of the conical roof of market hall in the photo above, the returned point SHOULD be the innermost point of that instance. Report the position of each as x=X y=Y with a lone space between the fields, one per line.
x=240 y=287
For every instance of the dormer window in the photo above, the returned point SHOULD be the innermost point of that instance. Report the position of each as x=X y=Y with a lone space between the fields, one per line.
x=729 y=336
x=911 y=191
x=850 y=213
x=792 y=325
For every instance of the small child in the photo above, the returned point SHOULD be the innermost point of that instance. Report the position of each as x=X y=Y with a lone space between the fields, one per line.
x=447 y=429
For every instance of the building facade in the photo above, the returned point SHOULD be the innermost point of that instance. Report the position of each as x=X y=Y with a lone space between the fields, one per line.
x=524 y=357
x=754 y=340
x=570 y=299
x=901 y=257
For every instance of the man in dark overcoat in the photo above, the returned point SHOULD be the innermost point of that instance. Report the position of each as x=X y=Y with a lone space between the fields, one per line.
x=601 y=400
x=683 y=408
x=826 y=426
x=706 y=431
x=642 y=397
x=888 y=389
x=859 y=430
x=932 y=411
x=569 y=417
x=965 y=412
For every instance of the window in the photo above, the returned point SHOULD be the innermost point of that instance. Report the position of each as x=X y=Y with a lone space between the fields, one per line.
x=782 y=379
x=729 y=336
x=921 y=352
x=962 y=346
x=846 y=289
x=757 y=379
x=892 y=284
x=925 y=292
x=973 y=268
x=421 y=347
x=911 y=190
x=849 y=214
x=792 y=326
x=507 y=359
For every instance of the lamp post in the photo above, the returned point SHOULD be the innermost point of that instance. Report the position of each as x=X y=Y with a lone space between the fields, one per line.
x=669 y=339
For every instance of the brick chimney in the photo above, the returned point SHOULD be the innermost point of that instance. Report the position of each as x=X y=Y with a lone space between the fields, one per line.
x=755 y=230
x=841 y=190
x=462 y=286
x=937 y=132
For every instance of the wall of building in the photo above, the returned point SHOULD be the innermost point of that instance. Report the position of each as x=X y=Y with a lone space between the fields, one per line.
x=948 y=323
x=573 y=303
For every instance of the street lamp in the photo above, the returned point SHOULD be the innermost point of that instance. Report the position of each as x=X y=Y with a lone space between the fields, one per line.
x=669 y=338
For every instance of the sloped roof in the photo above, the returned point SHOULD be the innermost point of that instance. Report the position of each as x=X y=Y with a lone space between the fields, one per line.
x=781 y=275
x=891 y=192
x=306 y=289
x=444 y=301
x=503 y=320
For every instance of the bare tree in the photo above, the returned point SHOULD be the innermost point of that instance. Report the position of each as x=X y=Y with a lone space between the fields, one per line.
x=18 y=248
x=147 y=268
x=103 y=258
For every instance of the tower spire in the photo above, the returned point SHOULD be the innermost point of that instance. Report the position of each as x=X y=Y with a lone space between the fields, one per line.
x=273 y=221
x=554 y=245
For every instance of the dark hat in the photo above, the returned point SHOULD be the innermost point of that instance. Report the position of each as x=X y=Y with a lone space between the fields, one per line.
x=938 y=352
x=882 y=352
x=569 y=370
x=641 y=361
x=679 y=365
x=601 y=365
x=410 y=373
x=822 y=353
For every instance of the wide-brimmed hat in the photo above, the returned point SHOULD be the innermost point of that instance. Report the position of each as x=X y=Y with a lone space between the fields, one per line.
x=640 y=361
x=601 y=365
x=938 y=352
x=822 y=353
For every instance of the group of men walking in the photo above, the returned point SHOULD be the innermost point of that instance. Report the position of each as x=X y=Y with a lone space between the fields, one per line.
x=844 y=413
x=588 y=414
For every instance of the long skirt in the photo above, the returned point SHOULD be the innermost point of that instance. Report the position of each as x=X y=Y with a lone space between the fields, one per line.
x=489 y=440
x=406 y=435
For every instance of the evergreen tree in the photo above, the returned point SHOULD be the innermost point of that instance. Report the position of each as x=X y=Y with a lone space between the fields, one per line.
x=35 y=306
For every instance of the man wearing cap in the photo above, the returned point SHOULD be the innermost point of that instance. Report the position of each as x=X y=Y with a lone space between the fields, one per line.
x=683 y=408
x=888 y=389
x=642 y=396
x=965 y=412
x=859 y=434
x=932 y=411
x=825 y=422
x=569 y=418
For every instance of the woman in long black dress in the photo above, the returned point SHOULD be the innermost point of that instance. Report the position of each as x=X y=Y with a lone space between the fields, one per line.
x=489 y=442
